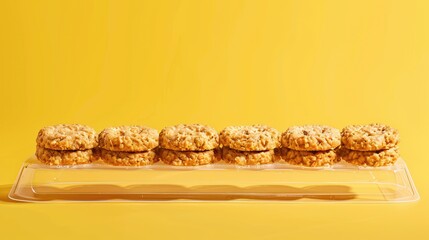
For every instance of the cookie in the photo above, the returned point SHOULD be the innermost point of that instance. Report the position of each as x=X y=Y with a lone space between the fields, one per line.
x=63 y=157
x=370 y=158
x=128 y=158
x=230 y=155
x=67 y=137
x=250 y=138
x=128 y=139
x=186 y=158
x=307 y=158
x=96 y=154
x=311 y=138
x=371 y=137
x=189 y=137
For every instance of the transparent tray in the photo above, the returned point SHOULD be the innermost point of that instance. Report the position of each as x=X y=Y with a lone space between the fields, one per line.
x=279 y=182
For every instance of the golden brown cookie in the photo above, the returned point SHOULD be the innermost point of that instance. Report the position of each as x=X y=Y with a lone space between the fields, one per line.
x=63 y=157
x=311 y=138
x=370 y=158
x=230 y=155
x=250 y=138
x=67 y=137
x=128 y=158
x=186 y=158
x=189 y=137
x=128 y=138
x=371 y=137
x=96 y=154
x=307 y=158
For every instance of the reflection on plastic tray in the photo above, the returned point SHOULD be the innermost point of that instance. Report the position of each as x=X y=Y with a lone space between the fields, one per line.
x=217 y=182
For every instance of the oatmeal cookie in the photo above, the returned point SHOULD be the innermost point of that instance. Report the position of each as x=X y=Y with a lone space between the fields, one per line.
x=128 y=138
x=311 y=138
x=67 y=137
x=63 y=157
x=128 y=158
x=247 y=157
x=96 y=154
x=371 y=137
x=308 y=158
x=189 y=137
x=186 y=158
x=370 y=158
x=250 y=138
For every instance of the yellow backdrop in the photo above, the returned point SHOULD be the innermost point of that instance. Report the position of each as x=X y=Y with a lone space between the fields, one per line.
x=157 y=63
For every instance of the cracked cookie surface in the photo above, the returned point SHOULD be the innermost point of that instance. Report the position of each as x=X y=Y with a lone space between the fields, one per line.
x=186 y=158
x=371 y=137
x=311 y=138
x=63 y=157
x=230 y=155
x=370 y=158
x=307 y=158
x=128 y=158
x=67 y=137
x=189 y=137
x=250 y=138
x=128 y=138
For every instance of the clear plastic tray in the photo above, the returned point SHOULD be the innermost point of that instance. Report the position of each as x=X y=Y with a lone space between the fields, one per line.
x=279 y=182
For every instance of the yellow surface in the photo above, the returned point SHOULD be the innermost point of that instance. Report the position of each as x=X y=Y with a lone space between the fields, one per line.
x=158 y=63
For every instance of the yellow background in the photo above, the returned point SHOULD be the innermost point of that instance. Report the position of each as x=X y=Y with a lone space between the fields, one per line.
x=158 y=63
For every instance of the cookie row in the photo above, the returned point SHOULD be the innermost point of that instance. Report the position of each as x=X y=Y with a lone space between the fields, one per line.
x=364 y=145
x=196 y=144
x=72 y=144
